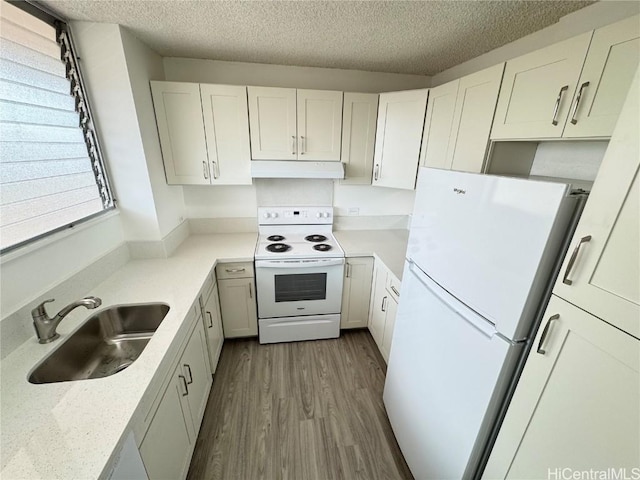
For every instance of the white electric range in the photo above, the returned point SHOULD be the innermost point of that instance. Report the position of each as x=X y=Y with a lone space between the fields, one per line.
x=299 y=274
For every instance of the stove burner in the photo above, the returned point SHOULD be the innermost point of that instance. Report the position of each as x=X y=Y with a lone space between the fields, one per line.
x=322 y=247
x=316 y=238
x=275 y=238
x=278 y=247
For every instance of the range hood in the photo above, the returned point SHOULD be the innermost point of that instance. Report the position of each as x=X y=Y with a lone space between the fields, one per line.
x=296 y=169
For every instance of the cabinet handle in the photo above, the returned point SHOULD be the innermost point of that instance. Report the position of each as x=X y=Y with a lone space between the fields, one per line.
x=293 y=144
x=574 y=120
x=186 y=388
x=395 y=291
x=210 y=319
x=545 y=332
x=348 y=271
x=205 y=170
x=572 y=260
x=234 y=270
x=303 y=143
x=190 y=381
x=375 y=172
x=554 y=120
x=383 y=306
x=215 y=167
x=250 y=291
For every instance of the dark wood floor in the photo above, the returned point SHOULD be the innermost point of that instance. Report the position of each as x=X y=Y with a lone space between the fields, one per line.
x=300 y=411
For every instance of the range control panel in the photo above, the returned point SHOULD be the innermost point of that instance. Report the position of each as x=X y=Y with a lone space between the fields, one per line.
x=295 y=215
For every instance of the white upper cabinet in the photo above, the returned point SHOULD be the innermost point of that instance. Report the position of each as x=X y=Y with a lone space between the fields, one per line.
x=472 y=119
x=319 y=125
x=272 y=117
x=398 y=138
x=181 y=130
x=601 y=272
x=224 y=108
x=437 y=125
x=290 y=124
x=458 y=121
x=358 y=137
x=537 y=89
x=608 y=70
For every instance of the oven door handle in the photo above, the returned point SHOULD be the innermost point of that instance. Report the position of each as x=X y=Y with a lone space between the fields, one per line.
x=299 y=263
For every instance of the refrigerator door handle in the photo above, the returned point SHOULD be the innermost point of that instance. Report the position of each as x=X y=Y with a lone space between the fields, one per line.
x=465 y=313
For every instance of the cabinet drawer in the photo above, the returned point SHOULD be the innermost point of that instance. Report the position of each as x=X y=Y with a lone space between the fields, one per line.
x=234 y=270
x=393 y=286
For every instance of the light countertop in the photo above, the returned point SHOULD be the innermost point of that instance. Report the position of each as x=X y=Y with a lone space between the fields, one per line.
x=388 y=245
x=72 y=429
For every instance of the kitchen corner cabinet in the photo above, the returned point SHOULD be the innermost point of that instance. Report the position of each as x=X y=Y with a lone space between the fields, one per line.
x=356 y=293
x=178 y=111
x=359 y=115
x=290 y=124
x=169 y=441
x=212 y=319
x=576 y=405
x=237 y=299
x=458 y=121
x=398 y=138
x=382 y=310
x=204 y=133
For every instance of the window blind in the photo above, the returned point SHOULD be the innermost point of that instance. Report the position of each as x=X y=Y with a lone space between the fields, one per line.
x=51 y=175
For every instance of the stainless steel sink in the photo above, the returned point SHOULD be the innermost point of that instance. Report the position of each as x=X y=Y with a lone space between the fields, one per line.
x=107 y=343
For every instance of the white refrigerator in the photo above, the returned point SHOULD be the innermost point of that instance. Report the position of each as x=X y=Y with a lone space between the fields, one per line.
x=481 y=252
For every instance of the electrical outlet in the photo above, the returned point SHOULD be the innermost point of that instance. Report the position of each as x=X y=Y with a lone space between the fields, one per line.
x=354 y=211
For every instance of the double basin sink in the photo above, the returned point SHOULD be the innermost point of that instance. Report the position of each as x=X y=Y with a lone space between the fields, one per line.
x=107 y=343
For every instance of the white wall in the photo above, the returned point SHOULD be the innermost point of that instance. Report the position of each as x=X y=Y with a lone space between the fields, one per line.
x=105 y=73
x=143 y=65
x=239 y=73
x=594 y=16
x=206 y=202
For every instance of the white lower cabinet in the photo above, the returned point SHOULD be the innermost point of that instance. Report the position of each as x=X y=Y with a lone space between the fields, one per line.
x=356 y=293
x=168 y=444
x=237 y=299
x=576 y=404
x=383 y=308
x=212 y=319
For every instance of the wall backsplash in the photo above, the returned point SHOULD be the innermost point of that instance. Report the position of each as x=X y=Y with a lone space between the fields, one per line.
x=293 y=191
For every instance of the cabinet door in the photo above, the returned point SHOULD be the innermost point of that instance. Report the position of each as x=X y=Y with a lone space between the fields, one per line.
x=167 y=446
x=238 y=306
x=272 y=118
x=226 y=125
x=181 y=129
x=356 y=293
x=319 y=125
x=437 y=125
x=608 y=70
x=358 y=137
x=537 y=90
x=195 y=367
x=576 y=403
x=398 y=138
x=213 y=327
x=377 y=309
x=601 y=272
x=389 y=324
x=475 y=106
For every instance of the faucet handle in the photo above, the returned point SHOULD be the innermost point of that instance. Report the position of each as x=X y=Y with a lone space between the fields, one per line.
x=40 y=311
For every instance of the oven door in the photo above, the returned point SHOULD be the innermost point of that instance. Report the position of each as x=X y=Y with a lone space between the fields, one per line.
x=288 y=288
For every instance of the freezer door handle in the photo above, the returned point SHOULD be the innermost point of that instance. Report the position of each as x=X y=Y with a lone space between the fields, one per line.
x=545 y=332
x=465 y=313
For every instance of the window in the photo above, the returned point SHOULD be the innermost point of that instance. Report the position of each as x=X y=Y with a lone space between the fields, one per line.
x=51 y=172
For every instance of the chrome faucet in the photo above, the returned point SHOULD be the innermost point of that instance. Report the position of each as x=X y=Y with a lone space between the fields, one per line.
x=46 y=327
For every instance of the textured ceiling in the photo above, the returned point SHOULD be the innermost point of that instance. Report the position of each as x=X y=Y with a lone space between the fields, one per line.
x=419 y=37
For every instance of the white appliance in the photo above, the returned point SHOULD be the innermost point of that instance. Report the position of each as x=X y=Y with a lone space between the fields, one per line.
x=480 y=256
x=299 y=273
x=296 y=169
